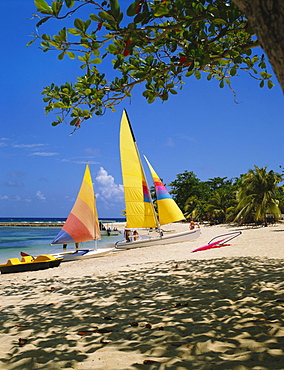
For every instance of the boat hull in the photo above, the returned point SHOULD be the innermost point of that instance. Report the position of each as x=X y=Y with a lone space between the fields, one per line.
x=165 y=239
x=81 y=254
x=43 y=262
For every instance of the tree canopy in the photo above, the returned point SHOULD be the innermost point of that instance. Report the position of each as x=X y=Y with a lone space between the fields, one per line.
x=245 y=199
x=157 y=43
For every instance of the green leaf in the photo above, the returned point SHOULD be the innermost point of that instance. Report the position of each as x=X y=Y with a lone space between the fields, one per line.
x=63 y=34
x=131 y=11
x=197 y=75
x=43 y=20
x=30 y=42
x=261 y=83
x=71 y=55
x=42 y=6
x=56 y=7
x=87 y=24
x=94 y=18
x=61 y=56
x=59 y=104
x=96 y=61
x=45 y=37
x=160 y=10
x=55 y=123
x=112 y=48
x=74 y=31
x=79 y=24
x=115 y=8
x=233 y=71
x=270 y=84
x=69 y=3
x=106 y=16
x=73 y=121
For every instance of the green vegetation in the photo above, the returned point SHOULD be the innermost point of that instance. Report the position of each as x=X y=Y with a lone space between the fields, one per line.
x=254 y=197
x=155 y=43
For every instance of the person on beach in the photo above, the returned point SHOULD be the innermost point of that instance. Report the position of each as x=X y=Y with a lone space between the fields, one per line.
x=127 y=234
x=135 y=235
x=64 y=246
x=77 y=245
x=191 y=225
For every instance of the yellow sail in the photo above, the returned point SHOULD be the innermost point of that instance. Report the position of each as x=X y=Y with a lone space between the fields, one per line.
x=168 y=210
x=139 y=208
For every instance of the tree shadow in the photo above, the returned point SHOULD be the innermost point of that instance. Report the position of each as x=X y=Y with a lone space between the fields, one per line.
x=213 y=314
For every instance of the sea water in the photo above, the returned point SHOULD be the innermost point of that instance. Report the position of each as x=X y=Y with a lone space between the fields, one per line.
x=36 y=240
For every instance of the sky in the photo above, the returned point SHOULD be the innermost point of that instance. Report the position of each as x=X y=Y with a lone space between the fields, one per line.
x=201 y=129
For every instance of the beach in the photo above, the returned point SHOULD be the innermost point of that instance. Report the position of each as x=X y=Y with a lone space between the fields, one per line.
x=160 y=307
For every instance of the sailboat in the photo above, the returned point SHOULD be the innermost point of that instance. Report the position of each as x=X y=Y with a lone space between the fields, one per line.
x=140 y=211
x=82 y=224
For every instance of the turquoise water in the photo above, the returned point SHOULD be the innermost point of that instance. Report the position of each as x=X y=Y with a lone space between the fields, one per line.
x=36 y=240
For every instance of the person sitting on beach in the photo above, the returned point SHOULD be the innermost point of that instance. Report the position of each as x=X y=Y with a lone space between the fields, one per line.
x=127 y=234
x=135 y=235
x=191 y=225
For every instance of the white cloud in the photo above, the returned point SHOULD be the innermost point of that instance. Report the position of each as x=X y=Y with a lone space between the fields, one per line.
x=92 y=151
x=170 y=142
x=108 y=190
x=40 y=196
x=16 y=174
x=3 y=197
x=44 y=154
x=77 y=161
x=27 y=145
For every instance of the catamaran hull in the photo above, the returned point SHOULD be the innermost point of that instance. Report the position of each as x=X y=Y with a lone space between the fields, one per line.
x=81 y=254
x=184 y=236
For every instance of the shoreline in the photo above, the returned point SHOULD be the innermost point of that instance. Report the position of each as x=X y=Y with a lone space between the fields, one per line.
x=160 y=307
x=31 y=224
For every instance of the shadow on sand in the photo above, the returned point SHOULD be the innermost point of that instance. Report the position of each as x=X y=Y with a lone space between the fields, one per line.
x=218 y=314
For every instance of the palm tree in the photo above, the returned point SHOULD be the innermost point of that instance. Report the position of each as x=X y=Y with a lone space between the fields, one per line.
x=219 y=204
x=258 y=195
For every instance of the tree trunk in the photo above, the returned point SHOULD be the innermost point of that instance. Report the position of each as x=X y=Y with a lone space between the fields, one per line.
x=267 y=19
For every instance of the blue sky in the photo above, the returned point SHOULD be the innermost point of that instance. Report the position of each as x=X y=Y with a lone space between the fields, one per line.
x=201 y=130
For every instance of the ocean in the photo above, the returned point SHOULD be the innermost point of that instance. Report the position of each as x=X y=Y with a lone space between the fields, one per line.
x=36 y=240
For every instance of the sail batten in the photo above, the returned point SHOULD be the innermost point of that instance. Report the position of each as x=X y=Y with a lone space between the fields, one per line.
x=82 y=224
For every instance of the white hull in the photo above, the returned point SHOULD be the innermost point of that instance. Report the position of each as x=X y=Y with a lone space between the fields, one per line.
x=80 y=254
x=165 y=239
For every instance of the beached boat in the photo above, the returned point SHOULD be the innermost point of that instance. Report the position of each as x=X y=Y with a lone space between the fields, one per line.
x=28 y=263
x=140 y=211
x=108 y=231
x=82 y=225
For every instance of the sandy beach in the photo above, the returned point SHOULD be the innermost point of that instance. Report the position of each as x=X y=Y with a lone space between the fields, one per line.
x=160 y=307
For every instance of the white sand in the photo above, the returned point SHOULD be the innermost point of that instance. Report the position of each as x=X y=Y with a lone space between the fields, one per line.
x=159 y=307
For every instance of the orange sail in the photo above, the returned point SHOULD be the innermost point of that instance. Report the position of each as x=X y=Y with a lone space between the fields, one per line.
x=82 y=223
